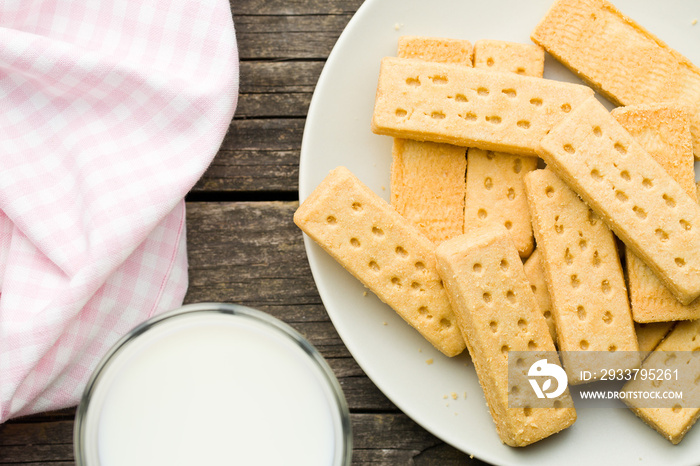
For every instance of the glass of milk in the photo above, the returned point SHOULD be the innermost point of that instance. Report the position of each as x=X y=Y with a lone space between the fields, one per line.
x=213 y=384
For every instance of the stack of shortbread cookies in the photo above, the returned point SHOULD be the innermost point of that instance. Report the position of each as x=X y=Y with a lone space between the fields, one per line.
x=483 y=248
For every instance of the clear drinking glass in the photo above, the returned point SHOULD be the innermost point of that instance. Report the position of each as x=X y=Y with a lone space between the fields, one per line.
x=213 y=383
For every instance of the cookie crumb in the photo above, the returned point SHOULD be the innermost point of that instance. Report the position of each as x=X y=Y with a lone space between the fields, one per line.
x=694 y=22
x=429 y=361
x=453 y=395
x=397 y=26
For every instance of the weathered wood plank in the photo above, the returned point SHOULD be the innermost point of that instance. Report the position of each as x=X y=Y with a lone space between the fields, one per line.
x=385 y=439
x=293 y=7
x=48 y=416
x=390 y=439
x=264 y=135
x=288 y=37
x=439 y=455
x=271 y=105
x=256 y=155
x=42 y=454
x=282 y=77
x=53 y=463
x=18 y=433
x=254 y=240
x=276 y=89
x=242 y=171
x=252 y=171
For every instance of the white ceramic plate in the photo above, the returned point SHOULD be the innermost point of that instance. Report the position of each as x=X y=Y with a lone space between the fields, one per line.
x=391 y=353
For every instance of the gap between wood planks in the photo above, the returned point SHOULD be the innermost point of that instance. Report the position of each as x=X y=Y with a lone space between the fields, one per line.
x=241 y=196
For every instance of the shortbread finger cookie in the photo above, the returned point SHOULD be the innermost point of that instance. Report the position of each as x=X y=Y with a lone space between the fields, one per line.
x=535 y=275
x=436 y=49
x=384 y=251
x=618 y=57
x=427 y=178
x=499 y=55
x=676 y=352
x=495 y=194
x=495 y=179
x=647 y=209
x=496 y=311
x=583 y=274
x=469 y=107
x=663 y=130
x=651 y=334
x=427 y=186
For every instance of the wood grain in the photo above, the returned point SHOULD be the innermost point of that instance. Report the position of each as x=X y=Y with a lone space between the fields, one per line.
x=306 y=36
x=256 y=155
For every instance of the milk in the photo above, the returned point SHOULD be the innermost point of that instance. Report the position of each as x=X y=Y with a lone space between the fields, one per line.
x=209 y=389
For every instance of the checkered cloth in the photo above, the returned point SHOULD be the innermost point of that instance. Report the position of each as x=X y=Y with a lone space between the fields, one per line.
x=110 y=112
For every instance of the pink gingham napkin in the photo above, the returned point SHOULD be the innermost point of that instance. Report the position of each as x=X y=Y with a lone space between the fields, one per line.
x=109 y=113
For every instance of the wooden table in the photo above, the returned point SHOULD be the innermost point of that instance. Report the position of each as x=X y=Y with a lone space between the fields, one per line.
x=243 y=246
